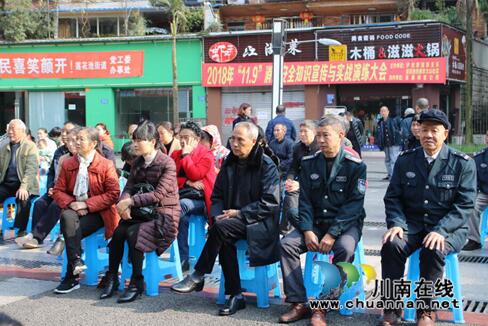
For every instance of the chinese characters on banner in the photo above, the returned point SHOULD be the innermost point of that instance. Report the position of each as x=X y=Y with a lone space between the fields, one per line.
x=113 y=64
x=428 y=70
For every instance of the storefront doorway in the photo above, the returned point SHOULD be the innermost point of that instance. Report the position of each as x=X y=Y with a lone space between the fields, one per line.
x=11 y=107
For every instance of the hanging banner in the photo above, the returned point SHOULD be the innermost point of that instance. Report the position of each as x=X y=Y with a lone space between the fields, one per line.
x=113 y=64
x=400 y=71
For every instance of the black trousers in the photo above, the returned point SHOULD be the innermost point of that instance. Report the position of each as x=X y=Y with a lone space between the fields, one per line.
x=126 y=231
x=394 y=255
x=45 y=215
x=23 y=206
x=74 y=229
x=290 y=212
x=221 y=241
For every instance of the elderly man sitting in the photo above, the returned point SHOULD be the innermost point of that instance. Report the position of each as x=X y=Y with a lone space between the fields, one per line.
x=245 y=203
x=19 y=163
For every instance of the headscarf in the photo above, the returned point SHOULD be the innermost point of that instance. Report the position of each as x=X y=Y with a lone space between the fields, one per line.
x=220 y=152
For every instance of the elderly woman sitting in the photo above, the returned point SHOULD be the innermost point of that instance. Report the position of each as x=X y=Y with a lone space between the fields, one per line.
x=87 y=190
x=151 y=188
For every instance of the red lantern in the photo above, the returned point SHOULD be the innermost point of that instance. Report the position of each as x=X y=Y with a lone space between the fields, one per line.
x=306 y=16
x=258 y=20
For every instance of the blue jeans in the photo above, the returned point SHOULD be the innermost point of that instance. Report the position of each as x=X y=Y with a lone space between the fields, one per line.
x=391 y=155
x=188 y=208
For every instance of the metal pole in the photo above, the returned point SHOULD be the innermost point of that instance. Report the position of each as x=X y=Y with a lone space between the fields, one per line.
x=279 y=26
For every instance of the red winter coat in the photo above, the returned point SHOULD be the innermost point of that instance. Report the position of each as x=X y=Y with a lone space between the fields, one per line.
x=198 y=165
x=103 y=189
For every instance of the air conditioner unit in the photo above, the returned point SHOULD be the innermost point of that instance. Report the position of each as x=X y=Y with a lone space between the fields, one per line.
x=236 y=2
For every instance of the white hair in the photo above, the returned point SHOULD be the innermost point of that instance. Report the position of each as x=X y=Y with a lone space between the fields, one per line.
x=19 y=123
x=251 y=128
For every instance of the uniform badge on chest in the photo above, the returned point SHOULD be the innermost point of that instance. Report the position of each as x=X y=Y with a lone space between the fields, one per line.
x=314 y=176
x=483 y=165
x=410 y=174
x=447 y=177
x=341 y=178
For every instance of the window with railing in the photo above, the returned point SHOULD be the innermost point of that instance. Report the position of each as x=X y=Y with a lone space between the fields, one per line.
x=235 y=26
x=372 y=19
x=293 y=22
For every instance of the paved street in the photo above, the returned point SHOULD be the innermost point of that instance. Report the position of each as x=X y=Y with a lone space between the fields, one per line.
x=28 y=277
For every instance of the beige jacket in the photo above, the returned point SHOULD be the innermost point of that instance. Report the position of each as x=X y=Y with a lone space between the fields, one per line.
x=27 y=165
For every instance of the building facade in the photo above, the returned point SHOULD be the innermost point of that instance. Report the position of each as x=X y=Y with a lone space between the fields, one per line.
x=117 y=82
x=390 y=64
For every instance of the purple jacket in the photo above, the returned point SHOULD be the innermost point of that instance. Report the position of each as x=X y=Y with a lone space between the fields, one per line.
x=161 y=174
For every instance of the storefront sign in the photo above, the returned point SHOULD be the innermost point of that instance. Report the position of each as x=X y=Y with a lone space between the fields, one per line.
x=112 y=64
x=454 y=49
x=404 y=71
x=386 y=42
x=222 y=52
x=338 y=53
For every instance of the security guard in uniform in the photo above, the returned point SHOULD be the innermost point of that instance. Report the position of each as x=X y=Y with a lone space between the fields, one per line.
x=481 y=160
x=331 y=214
x=428 y=202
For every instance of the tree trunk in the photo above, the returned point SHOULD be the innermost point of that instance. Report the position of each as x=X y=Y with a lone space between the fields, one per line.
x=175 y=75
x=469 y=73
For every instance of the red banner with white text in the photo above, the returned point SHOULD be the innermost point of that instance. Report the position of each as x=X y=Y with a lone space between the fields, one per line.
x=400 y=71
x=113 y=64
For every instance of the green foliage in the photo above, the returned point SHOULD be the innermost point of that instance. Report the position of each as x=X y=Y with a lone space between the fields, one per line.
x=420 y=14
x=449 y=15
x=194 y=20
x=20 y=20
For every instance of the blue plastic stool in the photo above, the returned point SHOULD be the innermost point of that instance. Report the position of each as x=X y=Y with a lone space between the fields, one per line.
x=42 y=184
x=154 y=269
x=94 y=256
x=55 y=232
x=484 y=227
x=259 y=280
x=313 y=279
x=451 y=273
x=196 y=236
x=6 y=224
x=31 y=211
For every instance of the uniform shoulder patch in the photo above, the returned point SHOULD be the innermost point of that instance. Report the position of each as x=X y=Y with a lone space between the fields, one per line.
x=463 y=155
x=353 y=158
x=408 y=151
x=480 y=152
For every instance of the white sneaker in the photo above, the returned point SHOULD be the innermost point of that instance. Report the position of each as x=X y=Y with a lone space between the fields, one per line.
x=21 y=240
x=31 y=244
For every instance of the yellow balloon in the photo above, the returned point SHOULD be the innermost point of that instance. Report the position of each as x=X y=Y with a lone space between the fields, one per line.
x=369 y=272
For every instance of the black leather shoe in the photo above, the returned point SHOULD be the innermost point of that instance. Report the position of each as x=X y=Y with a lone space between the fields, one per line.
x=232 y=305
x=471 y=245
x=57 y=248
x=130 y=294
x=111 y=284
x=185 y=265
x=188 y=285
x=134 y=291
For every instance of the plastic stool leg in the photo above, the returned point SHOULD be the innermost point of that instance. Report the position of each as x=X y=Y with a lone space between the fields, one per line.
x=484 y=226
x=91 y=260
x=276 y=281
x=175 y=253
x=262 y=291
x=126 y=268
x=452 y=273
x=221 y=296
x=151 y=274
x=413 y=275
x=64 y=265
